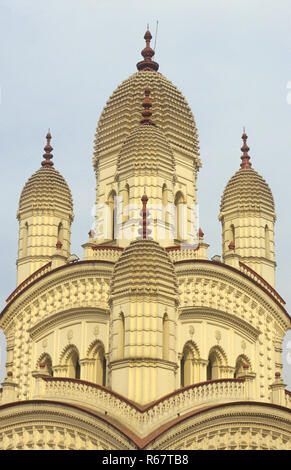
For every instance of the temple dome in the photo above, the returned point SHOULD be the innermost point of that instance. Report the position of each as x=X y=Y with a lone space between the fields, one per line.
x=146 y=148
x=247 y=190
x=171 y=114
x=46 y=188
x=144 y=268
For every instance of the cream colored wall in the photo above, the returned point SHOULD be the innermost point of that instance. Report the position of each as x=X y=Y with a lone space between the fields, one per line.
x=141 y=360
x=247 y=426
x=41 y=241
x=218 y=308
x=250 y=241
x=79 y=334
x=153 y=183
x=69 y=301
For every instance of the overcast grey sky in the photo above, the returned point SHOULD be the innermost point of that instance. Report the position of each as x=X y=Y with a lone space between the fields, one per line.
x=61 y=60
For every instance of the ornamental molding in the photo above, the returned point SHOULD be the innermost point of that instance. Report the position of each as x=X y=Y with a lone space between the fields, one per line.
x=189 y=314
x=187 y=430
x=97 y=315
x=215 y=272
x=235 y=417
x=58 y=414
x=52 y=280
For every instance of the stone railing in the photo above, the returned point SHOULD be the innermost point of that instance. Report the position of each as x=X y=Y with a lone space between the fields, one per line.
x=40 y=272
x=102 y=252
x=140 y=420
x=256 y=277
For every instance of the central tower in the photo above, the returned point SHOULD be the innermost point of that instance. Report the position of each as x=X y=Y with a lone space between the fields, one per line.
x=130 y=156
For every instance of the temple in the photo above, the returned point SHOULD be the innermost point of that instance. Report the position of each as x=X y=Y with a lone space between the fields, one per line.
x=145 y=343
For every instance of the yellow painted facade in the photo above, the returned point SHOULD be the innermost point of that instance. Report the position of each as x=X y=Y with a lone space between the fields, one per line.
x=145 y=343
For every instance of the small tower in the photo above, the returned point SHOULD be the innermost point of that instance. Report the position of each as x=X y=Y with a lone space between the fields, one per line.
x=45 y=215
x=247 y=214
x=143 y=320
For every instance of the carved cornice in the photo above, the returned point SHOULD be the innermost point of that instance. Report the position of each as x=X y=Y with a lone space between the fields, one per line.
x=25 y=413
x=226 y=319
x=247 y=414
x=215 y=418
x=235 y=278
x=59 y=276
x=97 y=314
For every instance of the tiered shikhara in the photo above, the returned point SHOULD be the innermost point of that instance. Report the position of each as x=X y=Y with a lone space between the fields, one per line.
x=145 y=343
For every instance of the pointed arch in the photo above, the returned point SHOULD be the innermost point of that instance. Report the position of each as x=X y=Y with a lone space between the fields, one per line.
x=166 y=337
x=165 y=200
x=217 y=363
x=267 y=242
x=46 y=360
x=25 y=240
x=121 y=335
x=232 y=234
x=190 y=364
x=125 y=202
x=112 y=215
x=97 y=361
x=60 y=233
x=240 y=362
x=181 y=215
x=164 y=195
x=71 y=359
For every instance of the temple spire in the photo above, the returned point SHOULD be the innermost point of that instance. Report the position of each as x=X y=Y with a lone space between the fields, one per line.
x=47 y=155
x=245 y=156
x=147 y=53
x=144 y=231
x=146 y=114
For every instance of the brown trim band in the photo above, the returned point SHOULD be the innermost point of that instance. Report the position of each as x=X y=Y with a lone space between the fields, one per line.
x=50 y=272
x=141 y=443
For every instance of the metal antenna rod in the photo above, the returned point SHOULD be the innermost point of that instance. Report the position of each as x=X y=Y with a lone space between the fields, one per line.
x=156 y=36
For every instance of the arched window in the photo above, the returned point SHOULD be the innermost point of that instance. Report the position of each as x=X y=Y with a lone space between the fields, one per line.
x=212 y=367
x=121 y=336
x=125 y=203
x=48 y=365
x=267 y=242
x=96 y=366
x=104 y=372
x=182 y=368
x=60 y=233
x=190 y=372
x=164 y=195
x=181 y=216
x=112 y=215
x=216 y=364
x=44 y=364
x=232 y=234
x=166 y=337
x=165 y=203
x=240 y=366
x=74 y=365
x=25 y=240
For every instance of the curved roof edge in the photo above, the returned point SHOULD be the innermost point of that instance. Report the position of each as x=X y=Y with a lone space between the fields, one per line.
x=142 y=443
x=66 y=266
x=245 y=276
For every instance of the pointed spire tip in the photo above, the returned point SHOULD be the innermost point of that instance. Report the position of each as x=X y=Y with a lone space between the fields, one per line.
x=147 y=53
x=245 y=158
x=47 y=155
